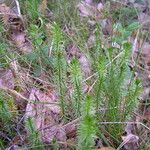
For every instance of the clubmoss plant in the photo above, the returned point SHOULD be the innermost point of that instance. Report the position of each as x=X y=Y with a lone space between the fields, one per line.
x=76 y=79
x=59 y=63
x=34 y=140
x=87 y=128
x=8 y=114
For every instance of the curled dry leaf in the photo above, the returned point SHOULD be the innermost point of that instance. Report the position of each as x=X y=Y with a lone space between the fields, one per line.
x=44 y=112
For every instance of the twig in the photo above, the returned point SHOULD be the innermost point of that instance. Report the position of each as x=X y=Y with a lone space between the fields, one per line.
x=91 y=87
x=140 y=123
x=15 y=93
x=18 y=8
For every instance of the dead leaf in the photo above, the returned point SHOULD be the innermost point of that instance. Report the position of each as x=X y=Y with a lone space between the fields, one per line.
x=100 y=7
x=85 y=9
x=91 y=41
x=5 y=11
x=89 y=9
x=142 y=66
x=146 y=114
x=89 y=1
x=14 y=25
x=130 y=141
x=106 y=26
x=144 y=19
x=85 y=66
x=7 y=79
x=44 y=112
x=71 y=128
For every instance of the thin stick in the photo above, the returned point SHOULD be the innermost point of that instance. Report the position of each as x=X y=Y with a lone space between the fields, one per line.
x=18 y=7
x=126 y=123
x=15 y=93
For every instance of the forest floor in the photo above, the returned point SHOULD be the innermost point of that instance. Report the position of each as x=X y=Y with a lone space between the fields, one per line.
x=75 y=74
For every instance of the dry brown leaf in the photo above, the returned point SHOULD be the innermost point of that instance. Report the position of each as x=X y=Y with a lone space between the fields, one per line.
x=44 y=112
x=106 y=26
x=100 y=7
x=85 y=9
x=144 y=19
x=5 y=11
x=88 y=9
x=71 y=128
x=7 y=79
x=85 y=66
x=147 y=113
x=130 y=141
x=89 y=1
x=20 y=40
x=146 y=49
x=91 y=41
x=143 y=65
x=15 y=27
